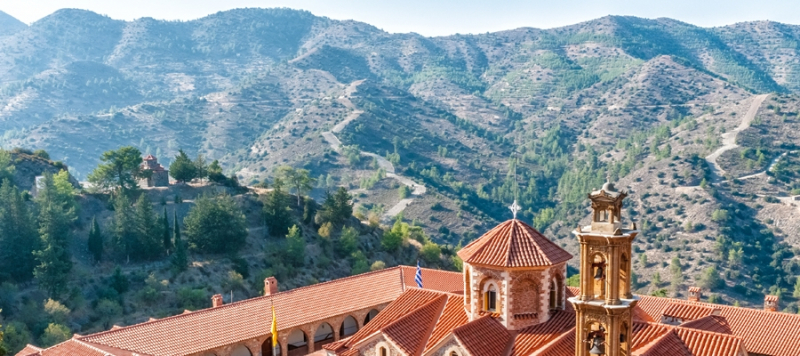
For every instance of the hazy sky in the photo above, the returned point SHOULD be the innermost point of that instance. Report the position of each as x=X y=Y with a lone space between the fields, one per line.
x=438 y=17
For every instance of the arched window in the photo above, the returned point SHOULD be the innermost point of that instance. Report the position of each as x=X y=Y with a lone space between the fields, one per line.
x=266 y=348
x=241 y=350
x=384 y=352
x=349 y=327
x=553 y=295
x=490 y=298
x=453 y=353
x=371 y=315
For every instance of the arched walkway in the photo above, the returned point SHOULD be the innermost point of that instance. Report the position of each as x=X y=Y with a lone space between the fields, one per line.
x=323 y=335
x=371 y=315
x=349 y=327
x=241 y=350
x=266 y=348
x=297 y=343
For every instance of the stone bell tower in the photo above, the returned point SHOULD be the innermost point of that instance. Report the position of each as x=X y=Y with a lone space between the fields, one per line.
x=605 y=304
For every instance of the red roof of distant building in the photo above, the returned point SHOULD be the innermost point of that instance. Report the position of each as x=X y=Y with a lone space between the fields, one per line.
x=513 y=244
x=149 y=158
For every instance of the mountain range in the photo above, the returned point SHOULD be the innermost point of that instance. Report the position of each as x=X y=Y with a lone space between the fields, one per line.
x=700 y=125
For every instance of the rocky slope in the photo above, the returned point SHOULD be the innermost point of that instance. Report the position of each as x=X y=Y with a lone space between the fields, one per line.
x=538 y=115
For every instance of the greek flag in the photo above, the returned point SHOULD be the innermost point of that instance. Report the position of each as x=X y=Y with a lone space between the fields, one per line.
x=418 y=276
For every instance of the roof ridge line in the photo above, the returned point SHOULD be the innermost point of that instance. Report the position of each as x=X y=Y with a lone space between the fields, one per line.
x=244 y=301
x=432 y=326
x=679 y=327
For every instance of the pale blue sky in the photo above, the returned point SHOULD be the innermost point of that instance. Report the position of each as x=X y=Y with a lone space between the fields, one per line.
x=434 y=18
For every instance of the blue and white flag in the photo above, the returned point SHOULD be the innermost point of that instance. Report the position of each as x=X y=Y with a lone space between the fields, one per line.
x=418 y=276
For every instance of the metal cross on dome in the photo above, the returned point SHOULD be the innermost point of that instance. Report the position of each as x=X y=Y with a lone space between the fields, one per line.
x=515 y=208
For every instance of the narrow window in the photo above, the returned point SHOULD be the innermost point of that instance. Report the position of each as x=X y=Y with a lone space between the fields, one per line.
x=491 y=299
x=553 y=300
x=383 y=351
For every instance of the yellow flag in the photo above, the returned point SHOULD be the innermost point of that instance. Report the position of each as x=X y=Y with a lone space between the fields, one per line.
x=274 y=328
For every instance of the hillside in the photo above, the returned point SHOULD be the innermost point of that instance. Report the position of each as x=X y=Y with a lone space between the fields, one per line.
x=698 y=123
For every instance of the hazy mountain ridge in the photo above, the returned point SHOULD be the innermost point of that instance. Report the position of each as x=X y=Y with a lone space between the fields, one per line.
x=646 y=100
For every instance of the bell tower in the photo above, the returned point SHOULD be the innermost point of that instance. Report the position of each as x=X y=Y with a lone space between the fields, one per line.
x=605 y=304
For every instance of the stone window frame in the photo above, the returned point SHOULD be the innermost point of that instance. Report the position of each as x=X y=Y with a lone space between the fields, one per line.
x=453 y=349
x=382 y=345
x=485 y=296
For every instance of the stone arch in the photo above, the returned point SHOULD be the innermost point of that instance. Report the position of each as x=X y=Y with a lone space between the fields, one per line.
x=599 y=274
x=323 y=335
x=349 y=327
x=371 y=315
x=266 y=348
x=297 y=342
x=556 y=289
x=593 y=329
x=624 y=336
x=241 y=350
x=453 y=351
x=383 y=349
x=490 y=296
x=525 y=292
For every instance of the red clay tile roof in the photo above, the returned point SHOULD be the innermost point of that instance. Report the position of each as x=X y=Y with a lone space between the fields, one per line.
x=232 y=323
x=483 y=336
x=563 y=345
x=29 y=350
x=694 y=289
x=410 y=332
x=764 y=332
x=709 y=343
x=770 y=298
x=669 y=344
x=713 y=323
x=149 y=158
x=646 y=333
x=513 y=244
x=434 y=279
x=535 y=336
x=686 y=311
x=75 y=347
x=452 y=317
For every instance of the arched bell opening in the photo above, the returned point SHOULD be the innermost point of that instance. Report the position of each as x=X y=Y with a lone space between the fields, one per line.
x=597 y=283
x=489 y=297
x=624 y=338
x=596 y=338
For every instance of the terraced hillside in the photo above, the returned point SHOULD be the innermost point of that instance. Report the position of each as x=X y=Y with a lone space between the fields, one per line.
x=698 y=123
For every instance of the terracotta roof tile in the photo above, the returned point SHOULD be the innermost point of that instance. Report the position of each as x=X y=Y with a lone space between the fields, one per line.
x=764 y=332
x=713 y=323
x=686 y=311
x=709 y=343
x=29 y=350
x=535 y=336
x=669 y=344
x=646 y=333
x=232 y=323
x=452 y=317
x=434 y=279
x=483 y=336
x=513 y=244
x=411 y=331
x=694 y=289
x=563 y=345
x=404 y=304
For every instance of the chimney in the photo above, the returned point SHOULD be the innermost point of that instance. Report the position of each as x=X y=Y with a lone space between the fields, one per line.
x=694 y=294
x=771 y=303
x=270 y=286
x=216 y=301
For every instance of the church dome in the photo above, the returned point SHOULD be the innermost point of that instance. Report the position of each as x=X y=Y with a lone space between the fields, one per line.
x=513 y=244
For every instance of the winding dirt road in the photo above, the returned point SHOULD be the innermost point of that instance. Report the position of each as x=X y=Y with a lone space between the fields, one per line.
x=729 y=138
x=336 y=144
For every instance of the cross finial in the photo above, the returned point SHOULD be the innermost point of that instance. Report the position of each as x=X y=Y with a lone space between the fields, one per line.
x=515 y=208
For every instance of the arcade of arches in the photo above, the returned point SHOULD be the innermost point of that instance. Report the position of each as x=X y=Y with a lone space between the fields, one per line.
x=297 y=340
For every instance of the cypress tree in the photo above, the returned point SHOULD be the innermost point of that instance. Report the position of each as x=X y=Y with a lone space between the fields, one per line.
x=147 y=230
x=179 y=259
x=18 y=236
x=95 y=240
x=167 y=232
x=55 y=261
x=124 y=227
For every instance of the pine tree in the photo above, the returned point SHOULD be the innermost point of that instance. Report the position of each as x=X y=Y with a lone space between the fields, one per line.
x=148 y=230
x=18 y=236
x=179 y=260
x=55 y=261
x=182 y=168
x=95 y=240
x=166 y=232
x=277 y=214
x=296 y=246
x=124 y=228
